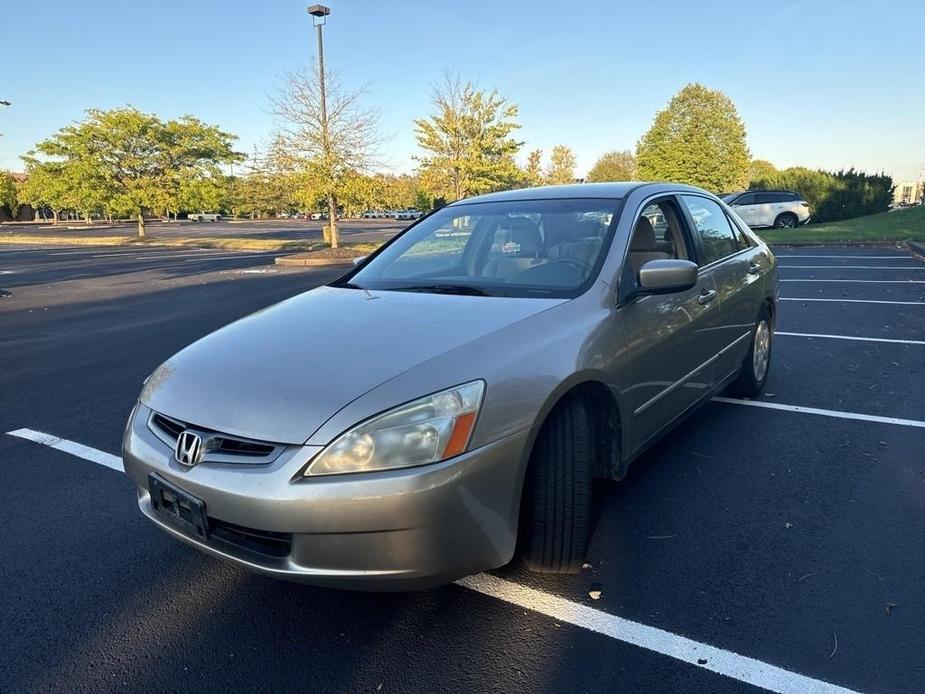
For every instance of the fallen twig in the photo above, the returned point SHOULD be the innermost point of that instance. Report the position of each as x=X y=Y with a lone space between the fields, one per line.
x=834 y=650
x=811 y=573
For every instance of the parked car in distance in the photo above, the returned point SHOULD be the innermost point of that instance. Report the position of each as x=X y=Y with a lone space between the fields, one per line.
x=408 y=214
x=782 y=209
x=204 y=216
x=480 y=369
x=316 y=215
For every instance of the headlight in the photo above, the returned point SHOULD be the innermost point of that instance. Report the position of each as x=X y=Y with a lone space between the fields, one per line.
x=428 y=430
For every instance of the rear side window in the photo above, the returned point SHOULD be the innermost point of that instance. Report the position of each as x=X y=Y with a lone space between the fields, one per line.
x=717 y=235
x=764 y=198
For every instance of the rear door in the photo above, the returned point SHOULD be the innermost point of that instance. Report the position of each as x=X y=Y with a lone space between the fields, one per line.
x=670 y=338
x=767 y=206
x=735 y=265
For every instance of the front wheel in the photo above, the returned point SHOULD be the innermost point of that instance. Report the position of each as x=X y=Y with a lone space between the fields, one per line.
x=757 y=364
x=557 y=493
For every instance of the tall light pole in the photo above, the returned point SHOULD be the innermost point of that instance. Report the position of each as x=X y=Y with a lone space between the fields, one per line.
x=319 y=15
x=3 y=102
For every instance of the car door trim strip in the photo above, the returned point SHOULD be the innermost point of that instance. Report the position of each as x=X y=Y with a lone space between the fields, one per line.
x=684 y=379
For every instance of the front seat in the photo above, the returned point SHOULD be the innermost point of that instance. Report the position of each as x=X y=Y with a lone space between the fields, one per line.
x=583 y=244
x=520 y=252
x=643 y=246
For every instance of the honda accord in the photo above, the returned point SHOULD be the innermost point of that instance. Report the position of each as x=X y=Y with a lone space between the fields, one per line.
x=445 y=405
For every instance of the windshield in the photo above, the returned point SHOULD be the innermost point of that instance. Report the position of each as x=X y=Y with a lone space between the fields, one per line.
x=531 y=248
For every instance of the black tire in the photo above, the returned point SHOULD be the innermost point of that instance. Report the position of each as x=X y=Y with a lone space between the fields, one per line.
x=751 y=379
x=787 y=220
x=557 y=495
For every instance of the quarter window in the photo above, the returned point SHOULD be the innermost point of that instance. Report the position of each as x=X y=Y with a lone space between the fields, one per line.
x=718 y=238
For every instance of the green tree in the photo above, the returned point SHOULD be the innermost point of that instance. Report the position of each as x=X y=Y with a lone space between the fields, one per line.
x=128 y=160
x=44 y=186
x=8 y=193
x=698 y=139
x=561 y=166
x=326 y=146
x=533 y=172
x=467 y=142
x=613 y=166
x=759 y=169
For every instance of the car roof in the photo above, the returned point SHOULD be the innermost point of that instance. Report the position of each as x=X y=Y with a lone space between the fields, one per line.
x=579 y=190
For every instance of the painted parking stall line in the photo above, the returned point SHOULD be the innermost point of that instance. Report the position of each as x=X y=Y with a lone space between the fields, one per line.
x=855 y=301
x=722 y=662
x=849 y=267
x=856 y=281
x=852 y=257
x=717 y=660
x=851 y=337
x=94 y=455
x=822 y=412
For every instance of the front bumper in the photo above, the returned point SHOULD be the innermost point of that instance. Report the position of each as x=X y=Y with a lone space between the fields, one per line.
x=401 y=529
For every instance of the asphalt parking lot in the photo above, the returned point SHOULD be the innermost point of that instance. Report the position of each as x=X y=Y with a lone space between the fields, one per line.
x=773 y=543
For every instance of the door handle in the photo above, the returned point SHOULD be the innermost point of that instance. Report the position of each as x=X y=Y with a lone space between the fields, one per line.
x=706 y=297
x=753 y=268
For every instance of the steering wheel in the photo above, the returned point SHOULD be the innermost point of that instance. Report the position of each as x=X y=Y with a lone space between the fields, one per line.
x=582 y=265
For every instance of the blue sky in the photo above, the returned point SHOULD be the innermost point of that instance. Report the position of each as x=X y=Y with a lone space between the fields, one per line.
x=818 y=83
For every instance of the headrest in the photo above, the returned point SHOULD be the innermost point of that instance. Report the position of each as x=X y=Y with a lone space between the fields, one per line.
x=643 y=237
x=526 y=234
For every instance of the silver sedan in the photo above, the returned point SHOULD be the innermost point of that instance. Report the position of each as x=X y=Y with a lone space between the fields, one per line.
x=444 y=406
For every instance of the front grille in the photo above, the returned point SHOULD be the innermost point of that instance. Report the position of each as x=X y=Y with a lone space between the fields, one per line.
x=217 y=447
x=170 y=427
x=236 y=446
x=263 y=542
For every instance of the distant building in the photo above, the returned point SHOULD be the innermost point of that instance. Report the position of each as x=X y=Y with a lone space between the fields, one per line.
x=907 y=192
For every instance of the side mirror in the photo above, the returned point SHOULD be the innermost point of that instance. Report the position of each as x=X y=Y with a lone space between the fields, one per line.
x=667 y=276
x=357 y=261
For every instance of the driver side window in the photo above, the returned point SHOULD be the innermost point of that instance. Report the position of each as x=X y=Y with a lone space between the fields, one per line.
x=656 y=236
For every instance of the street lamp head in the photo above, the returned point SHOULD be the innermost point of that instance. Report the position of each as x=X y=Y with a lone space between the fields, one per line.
x=319 y=11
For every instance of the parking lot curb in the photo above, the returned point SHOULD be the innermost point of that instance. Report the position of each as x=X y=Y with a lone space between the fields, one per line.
x=301 y=261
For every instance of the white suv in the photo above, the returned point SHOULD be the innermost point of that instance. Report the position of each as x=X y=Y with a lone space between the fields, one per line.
x=782 y=209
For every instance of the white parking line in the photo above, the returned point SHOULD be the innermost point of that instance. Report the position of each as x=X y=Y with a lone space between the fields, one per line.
x=852 y=337
x=862 y=281
x=825 y=413
x=850 y=267
x=857 y=301
x=722 y=662
x=855 y=257
x=728 y=663
x=92 y=454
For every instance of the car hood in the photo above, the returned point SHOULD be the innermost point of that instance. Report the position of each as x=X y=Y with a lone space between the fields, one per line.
x=280 y=373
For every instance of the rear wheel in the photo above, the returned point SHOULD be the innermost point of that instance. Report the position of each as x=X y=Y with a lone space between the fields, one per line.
x=787 y=220
x=557 y=495
x=754 y=374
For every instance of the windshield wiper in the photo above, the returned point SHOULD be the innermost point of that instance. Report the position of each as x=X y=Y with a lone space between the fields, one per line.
x=443 y=289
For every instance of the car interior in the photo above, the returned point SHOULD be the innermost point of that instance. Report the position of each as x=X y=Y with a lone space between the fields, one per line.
x=657 y=235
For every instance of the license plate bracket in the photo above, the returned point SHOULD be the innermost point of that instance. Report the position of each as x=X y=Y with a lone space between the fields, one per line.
x=182 y=510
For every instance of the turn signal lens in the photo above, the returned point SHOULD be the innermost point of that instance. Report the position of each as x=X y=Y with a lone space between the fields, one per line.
x=428 y=430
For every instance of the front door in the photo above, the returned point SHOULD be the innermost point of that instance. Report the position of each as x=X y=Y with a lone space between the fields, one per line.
x=671 y=338
x=735 y=265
